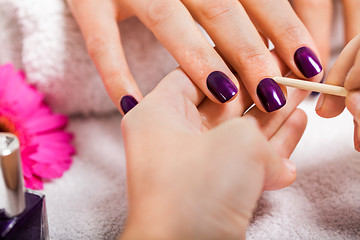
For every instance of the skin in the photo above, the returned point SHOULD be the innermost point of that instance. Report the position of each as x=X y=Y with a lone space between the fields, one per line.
x=240 y=30
x=345 y=72
x=317 y=17
x=192 y=175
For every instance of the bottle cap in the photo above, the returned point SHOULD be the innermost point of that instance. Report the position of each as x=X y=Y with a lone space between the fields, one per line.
x=12 y=197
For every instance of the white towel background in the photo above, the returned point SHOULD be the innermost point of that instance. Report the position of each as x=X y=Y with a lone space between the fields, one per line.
x=42 y=38
x=89 y=201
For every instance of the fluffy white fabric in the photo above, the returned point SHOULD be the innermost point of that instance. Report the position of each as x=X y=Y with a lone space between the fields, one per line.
x=42 y=38
x=89 y=201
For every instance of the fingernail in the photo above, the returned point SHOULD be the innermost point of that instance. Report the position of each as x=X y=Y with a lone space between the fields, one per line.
x=353 y=104
x=356 y=136
x=127 y=103
x=307 y=62
x=270 y=94
x=319 y=103
x=221 y=86
x=290 y=165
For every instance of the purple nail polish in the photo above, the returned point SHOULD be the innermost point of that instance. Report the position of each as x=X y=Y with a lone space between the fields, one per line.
x=221 y=86
x=127 y=103
x=22 y=213
x=307 y=62
x=270 y=94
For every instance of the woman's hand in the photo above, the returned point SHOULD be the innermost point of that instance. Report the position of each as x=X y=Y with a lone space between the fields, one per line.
x=240 y=30
x=345 y=72
x=193 y=175
x=317 y=16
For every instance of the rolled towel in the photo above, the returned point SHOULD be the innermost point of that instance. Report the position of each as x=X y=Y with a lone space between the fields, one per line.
x=42 y=38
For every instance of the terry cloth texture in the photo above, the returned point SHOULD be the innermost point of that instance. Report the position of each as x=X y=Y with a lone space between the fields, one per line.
x=42 y=38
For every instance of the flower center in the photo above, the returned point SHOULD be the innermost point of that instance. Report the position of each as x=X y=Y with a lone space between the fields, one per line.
x=6 y=125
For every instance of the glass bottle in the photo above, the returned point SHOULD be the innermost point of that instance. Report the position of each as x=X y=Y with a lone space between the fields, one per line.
x=22 y=211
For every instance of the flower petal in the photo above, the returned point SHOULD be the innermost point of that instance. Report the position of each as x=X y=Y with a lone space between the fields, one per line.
x=45 y=146
x=34 y=183
x=47 y=171
x=46 y=123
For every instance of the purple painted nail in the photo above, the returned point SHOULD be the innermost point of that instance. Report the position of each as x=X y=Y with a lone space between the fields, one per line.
x=127 y=103
x=221 y=86
x=307 y=62
x=270 y=94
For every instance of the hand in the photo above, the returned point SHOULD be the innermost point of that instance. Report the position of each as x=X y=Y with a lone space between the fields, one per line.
x=345 y=72
x=317 y=16
x=190 y=176
x=238 y=29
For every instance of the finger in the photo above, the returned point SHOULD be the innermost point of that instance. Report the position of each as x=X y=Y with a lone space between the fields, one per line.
x=280 y=63
x=356 y=136
x=331 y=106
x=284 y=142
x=242 y=47
x=258 y=163
x=352 y=80
x=214 y=114
x=176 y=97
x=102 y=37
x=173 y=25
x=351 y=18
x=317 y=16
x=290 y=37
x=271 y=123
x=177 y=86
x=288 y=136
x=353 y=105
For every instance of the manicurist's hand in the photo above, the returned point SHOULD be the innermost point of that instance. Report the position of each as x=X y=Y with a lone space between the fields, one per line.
x=193 y=175
x=345 y=72
x=238 y=29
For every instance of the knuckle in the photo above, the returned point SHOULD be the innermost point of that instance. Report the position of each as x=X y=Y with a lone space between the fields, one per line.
x=96 y=46
x=292 y=31
x=251 y=55
x=198 y=56
x=158 y=11
x=210 y=9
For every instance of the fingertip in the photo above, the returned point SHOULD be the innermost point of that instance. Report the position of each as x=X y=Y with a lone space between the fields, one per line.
x=307 y=62
x=270 y=95
x=285 y=177
x=330 y=106
x=290 y=165
x=222 y=87
x=127 y=103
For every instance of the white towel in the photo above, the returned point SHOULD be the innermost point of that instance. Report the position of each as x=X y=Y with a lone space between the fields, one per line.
x=89 y=201
x=42 y=38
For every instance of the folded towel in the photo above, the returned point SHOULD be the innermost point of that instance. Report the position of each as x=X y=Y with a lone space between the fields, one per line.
x=42 y=38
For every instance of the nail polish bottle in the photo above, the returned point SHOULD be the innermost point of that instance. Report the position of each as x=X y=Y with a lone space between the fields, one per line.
x=22 y=211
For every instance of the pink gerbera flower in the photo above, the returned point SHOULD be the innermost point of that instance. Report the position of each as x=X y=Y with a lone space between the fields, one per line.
x=45 y=146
